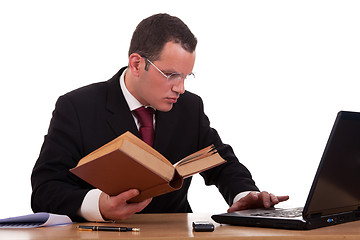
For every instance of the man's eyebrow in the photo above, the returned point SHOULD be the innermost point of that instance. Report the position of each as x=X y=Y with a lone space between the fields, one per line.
x=170 y=71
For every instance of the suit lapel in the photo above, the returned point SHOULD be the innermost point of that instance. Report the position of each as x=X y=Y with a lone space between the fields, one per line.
x=121 y=119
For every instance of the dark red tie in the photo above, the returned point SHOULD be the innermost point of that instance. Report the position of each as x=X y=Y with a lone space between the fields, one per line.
x=145 y=117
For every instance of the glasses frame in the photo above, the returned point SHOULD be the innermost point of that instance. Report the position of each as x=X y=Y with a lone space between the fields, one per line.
x=175 y=76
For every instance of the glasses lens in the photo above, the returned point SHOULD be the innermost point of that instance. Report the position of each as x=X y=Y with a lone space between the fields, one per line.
x=179 y=77
x=190 y=77
x=175 y=77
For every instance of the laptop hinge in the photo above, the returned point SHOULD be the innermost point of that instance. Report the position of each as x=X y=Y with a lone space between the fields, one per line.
x=357 y=212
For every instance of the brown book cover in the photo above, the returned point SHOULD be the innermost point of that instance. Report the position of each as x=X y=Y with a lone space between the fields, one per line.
x=129 y=163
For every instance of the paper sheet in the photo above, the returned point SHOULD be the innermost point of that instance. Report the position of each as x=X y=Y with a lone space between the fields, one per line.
x=35 y=220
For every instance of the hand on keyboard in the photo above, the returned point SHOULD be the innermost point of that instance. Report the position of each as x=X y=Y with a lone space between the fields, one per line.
x=257 y=200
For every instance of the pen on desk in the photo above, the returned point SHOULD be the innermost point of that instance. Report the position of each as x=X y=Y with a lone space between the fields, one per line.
x=107 y=228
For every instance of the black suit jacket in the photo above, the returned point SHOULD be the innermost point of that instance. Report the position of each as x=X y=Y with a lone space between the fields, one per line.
x=89 y=117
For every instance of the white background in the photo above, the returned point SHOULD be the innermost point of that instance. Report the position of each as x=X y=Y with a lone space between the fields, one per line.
x=272 y=74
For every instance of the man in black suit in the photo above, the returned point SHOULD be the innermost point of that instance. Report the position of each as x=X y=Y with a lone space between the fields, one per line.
x=161 y=58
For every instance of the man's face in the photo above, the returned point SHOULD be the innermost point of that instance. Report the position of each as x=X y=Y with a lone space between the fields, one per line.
x=153 y=88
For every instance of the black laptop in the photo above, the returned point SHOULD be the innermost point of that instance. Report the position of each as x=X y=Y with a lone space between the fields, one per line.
x=334 y=196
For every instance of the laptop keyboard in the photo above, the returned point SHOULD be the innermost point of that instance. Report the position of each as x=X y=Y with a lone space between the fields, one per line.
x=287 y=213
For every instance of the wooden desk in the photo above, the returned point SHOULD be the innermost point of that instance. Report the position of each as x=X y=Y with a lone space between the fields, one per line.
x=179 y=226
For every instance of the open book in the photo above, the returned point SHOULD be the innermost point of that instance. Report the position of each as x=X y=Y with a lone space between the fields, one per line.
x=129 y=163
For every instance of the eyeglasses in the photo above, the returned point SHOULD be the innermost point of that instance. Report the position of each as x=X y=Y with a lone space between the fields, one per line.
x=173 y=77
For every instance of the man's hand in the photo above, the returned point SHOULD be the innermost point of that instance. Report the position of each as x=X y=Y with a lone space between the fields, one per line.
x=117 y=208
x=257 y=200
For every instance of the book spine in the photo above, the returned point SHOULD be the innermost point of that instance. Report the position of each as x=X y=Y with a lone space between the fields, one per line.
x=158 y=190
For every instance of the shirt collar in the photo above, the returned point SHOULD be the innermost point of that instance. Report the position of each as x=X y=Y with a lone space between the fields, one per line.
x=132 y=102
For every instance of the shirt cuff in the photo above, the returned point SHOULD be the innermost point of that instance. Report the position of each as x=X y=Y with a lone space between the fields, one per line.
x=241 y=195
x=90 y=206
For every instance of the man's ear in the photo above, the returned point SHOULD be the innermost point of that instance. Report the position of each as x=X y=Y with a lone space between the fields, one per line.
x=136 y=64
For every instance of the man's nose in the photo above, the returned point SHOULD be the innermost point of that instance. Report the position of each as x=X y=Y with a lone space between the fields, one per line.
x=179 y=86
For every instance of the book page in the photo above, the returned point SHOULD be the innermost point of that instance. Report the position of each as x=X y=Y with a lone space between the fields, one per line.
x=199 y=164
x=132 y=138
x=151 y=162
x=205 y=152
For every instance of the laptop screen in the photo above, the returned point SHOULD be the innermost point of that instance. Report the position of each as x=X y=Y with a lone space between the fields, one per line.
x=336 y=185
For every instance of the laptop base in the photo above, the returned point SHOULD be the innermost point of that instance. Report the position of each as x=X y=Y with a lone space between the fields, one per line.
x=235 y=218
x=298 y=223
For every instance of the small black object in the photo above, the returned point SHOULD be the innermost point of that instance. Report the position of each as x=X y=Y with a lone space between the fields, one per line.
x=203 y=226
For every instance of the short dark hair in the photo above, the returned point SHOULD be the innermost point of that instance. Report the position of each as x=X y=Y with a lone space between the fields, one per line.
x=154 y=32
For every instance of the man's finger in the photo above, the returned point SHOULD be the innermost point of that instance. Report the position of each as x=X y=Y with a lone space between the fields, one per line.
x=125 y=196
x=283 y=198
x=137 y=207
x=266 y=201
x=274 y=199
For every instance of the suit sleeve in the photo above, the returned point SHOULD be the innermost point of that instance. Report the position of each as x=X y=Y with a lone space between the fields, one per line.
x=230 y=178
x=55 y=189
